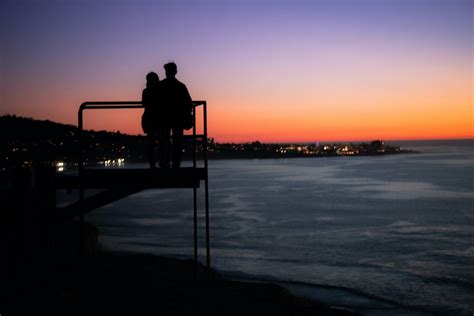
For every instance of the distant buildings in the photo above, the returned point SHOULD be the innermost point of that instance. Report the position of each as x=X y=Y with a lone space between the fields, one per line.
x=261 y=150
x=27 y=142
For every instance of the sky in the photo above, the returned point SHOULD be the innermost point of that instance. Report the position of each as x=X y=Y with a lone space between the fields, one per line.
x=274 y=71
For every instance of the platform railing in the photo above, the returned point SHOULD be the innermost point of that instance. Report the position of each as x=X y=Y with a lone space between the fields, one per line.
x=110 y=105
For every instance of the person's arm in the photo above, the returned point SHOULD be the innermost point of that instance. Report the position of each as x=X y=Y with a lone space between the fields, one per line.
x=144 y=99
x=187 y=100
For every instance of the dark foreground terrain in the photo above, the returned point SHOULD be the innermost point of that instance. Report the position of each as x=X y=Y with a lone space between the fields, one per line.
x=110 y=283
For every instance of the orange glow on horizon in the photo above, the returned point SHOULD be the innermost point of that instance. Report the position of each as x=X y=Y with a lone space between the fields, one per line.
x=331 y=72
x=229 y=124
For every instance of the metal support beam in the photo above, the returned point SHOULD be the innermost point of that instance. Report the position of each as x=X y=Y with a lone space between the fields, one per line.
x=206 y=198
x=195 y=235
x=86 y=179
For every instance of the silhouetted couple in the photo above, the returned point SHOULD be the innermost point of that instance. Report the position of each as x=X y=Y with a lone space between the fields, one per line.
x=168 y=107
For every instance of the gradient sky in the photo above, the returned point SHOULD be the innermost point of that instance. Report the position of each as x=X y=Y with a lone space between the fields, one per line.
x=270 y=70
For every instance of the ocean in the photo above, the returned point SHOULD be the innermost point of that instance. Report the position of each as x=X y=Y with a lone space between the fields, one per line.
x=380 y=234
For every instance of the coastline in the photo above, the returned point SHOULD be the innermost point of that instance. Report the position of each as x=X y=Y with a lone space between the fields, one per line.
x=114 y=281
x=339 y=297
x=60 y=282
x=137 y=284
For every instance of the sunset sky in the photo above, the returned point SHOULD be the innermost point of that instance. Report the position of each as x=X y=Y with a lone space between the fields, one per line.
x=272 y=71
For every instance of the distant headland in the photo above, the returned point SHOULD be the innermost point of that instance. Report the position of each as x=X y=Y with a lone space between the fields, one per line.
x=26 y=142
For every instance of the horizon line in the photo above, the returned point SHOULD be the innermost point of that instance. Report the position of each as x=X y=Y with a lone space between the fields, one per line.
x=440 y=138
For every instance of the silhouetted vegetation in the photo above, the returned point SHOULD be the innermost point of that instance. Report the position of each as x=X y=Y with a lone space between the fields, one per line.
x=26 y=142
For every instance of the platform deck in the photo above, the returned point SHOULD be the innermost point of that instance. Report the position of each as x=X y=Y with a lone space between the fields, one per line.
x=119 y=178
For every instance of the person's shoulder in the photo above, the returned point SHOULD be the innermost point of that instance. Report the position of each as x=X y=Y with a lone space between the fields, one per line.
x=180 y=84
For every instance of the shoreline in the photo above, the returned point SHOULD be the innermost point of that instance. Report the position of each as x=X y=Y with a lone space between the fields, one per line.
x=122 y=282
x=114 y=281
x=58 y=281
x=338 y=297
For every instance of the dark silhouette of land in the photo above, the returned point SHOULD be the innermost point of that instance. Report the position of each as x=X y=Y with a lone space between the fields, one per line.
x=111 y=283
x=24 y=142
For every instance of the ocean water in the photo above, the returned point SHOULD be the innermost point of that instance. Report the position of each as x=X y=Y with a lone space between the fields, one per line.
x=382 y=235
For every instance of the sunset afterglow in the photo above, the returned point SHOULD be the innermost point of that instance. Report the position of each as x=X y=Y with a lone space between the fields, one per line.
x=272 y=71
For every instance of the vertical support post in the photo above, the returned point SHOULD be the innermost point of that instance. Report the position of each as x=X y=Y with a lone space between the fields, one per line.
x=194 y=136
x=195 y=200
x=45 y=187
x=206 y=197
x=81 y=184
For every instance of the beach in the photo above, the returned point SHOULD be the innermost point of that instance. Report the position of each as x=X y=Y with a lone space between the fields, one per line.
x=107 y=282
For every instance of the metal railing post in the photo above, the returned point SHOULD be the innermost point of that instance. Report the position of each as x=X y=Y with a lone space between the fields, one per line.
x=195 y=201
x=81 y=184
x=206 y=196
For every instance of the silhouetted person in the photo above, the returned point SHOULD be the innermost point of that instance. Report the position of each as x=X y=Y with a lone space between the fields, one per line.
x=151 y=116
x=176 y=104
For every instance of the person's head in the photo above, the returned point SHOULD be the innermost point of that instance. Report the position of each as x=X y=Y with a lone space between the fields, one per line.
x=171 y=70
x=152 y=79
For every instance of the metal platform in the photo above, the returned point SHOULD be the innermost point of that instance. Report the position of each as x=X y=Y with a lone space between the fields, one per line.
x=156 y=178
x=120 y=183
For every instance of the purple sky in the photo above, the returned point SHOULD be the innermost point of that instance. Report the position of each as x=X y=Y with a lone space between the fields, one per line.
x=263 y=57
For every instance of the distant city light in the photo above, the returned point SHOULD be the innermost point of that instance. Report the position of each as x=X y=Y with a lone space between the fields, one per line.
x=113 y=162
x=59 y=166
